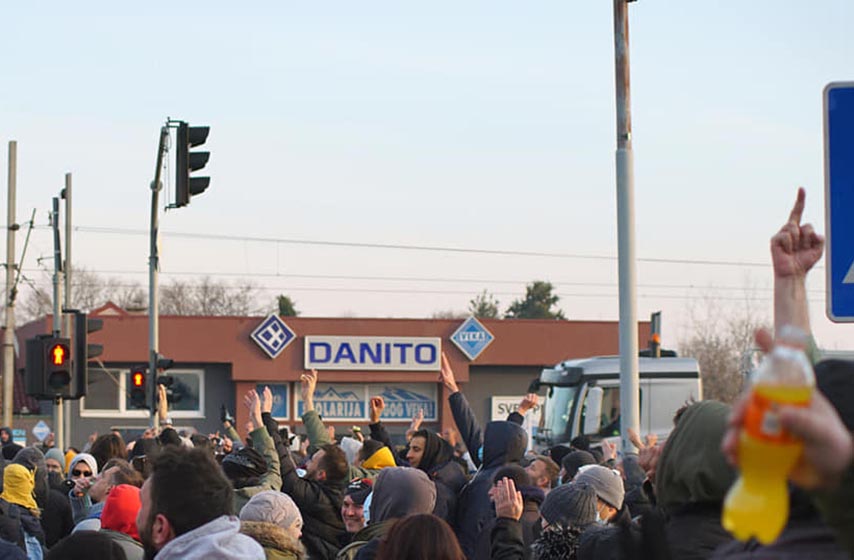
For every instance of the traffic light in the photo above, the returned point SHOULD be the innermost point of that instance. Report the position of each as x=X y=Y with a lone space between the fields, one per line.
x=186 y=162
x=138 y=387
x=48 y=371
x=83 y=351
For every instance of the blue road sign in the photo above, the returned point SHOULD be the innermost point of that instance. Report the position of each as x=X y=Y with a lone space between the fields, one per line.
x=839 y=199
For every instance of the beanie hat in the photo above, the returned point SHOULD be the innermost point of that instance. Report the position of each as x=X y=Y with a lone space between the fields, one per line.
x=18 y=485
x=85 y=458
x=574 y=461
x=570 y=505
x=359 y=489
x=120 y=510
x=273 y=507
x=56 y=455
x=558 y=452
x=243 y=464
x=381 y=459
x=607 y=483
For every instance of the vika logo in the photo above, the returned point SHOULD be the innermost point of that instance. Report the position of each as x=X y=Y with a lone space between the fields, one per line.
x=472 y=338
x=273 y=335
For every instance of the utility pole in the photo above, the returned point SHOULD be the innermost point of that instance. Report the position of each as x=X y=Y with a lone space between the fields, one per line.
x=9 y=333
x=66 y=194
x=629 y=382
x=153 y=268
x=57 y=314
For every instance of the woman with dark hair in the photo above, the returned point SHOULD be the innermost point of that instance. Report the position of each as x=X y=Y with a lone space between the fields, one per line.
x=421 y=537
x=108 y=446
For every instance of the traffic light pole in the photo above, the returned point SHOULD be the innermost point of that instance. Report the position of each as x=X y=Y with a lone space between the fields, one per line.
x=153 y=268
x=58 y=428
x=629 y=379
x=66 y=195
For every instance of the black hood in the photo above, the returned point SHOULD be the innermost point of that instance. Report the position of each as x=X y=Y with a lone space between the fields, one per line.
x=503 y=442
x=437 y=451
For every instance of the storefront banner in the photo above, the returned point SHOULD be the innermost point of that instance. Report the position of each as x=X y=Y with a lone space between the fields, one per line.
x=404 y=400
x=349 y=401
x=373 y=353
x=280 y=399
x=503 y=406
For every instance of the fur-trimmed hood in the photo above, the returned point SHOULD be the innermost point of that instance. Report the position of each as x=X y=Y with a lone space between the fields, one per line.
x=273 y=538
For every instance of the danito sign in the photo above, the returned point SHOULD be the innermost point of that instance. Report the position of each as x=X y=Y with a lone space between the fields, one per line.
x=373 y=353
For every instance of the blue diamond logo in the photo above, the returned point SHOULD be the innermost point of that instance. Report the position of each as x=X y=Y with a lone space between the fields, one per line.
x=472 y=338
x=273 y=335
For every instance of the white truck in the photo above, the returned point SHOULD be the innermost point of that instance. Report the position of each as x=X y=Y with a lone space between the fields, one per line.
x=584 y=397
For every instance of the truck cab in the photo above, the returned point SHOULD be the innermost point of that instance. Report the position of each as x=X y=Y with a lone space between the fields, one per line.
x=584 y=397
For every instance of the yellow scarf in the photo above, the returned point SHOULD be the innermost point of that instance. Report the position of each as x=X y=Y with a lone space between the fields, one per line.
x=379 y=460
x=18 y=485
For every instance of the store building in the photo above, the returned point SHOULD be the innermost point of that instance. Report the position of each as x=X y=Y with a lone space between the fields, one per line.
x=218 y=359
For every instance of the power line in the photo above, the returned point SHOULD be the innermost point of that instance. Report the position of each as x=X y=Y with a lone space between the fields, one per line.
x=402 y=247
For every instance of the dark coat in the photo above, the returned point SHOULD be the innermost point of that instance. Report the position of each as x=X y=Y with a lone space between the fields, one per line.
x=506 y=540
x=56 y=519
x=503 y=442
x=529 y=523
x=319 y=502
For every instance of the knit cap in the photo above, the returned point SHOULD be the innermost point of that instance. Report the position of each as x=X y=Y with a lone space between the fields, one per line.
x=359 y=489
x=56 y=455
x=574 y=461
x=381 y=459
x=272 y=507
x=244 y=463
x=607 y=483
x=570 y=505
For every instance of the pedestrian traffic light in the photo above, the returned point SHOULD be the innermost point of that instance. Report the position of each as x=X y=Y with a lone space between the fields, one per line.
x=83 y=351
x=48 y=370
x=138 y=387
x=186 y=162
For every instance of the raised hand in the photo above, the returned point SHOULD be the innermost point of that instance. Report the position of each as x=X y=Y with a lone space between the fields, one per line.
x=267 y=400
x=796 y=248
x=648 y=452
x=308 y=384
x=446 y=375
x=377 y=405
x=508 y=501
x=529 y=402
x=253 y=405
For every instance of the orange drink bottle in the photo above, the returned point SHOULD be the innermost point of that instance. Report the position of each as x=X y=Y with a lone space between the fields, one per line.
x=757 y=505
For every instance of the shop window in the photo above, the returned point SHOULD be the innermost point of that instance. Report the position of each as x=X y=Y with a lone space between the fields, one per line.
x=107 y=395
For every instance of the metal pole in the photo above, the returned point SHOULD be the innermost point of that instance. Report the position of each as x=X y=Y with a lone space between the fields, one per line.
x=66 y=194
x=57 y=315
x=153 y=267
x=9 y=333
x=629 y=385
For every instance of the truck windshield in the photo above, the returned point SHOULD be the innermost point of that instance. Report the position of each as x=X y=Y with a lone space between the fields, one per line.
x=558 y=409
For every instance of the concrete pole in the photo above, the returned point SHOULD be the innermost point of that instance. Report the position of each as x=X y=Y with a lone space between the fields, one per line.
x=66 y=194
x=629 y=378
x=9 y=333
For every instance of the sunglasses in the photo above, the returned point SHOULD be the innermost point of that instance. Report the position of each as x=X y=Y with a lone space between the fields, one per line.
x=76 y=472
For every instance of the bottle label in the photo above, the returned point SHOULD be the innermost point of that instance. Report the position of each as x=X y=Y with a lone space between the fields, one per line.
x=762 y=420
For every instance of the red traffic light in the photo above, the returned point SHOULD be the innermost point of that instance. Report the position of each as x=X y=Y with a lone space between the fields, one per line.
x=138 y=379
x=58 y=354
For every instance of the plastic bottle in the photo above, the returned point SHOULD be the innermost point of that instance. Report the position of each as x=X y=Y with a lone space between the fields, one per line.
x=757 y=505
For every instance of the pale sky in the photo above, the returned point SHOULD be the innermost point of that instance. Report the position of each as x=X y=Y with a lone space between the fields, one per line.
x=476 y=125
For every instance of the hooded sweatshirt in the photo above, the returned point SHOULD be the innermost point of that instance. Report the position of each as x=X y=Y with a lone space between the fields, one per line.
x=381 y=459
x=439 y=464
x=219 y=539
x=56 y=519
x=503 y=442
x=118 y=519
x=398 y=492
x=692 y=479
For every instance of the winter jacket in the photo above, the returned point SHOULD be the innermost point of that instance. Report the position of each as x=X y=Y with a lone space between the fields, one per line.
x=319 y=502
x=503 y=442
x=318 y=437
x=692 y=479
x=56 y=519
x=361 y=539
x=219 y=539
x=530 y=523
x=133 y=549
x=272 y=479
x=277 y=543
x=506 y=541
x=439 y=463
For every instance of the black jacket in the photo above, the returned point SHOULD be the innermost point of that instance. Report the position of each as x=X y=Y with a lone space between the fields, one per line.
x=529 y=523
x=502 y=442
x=506 y=540
x=319 y=502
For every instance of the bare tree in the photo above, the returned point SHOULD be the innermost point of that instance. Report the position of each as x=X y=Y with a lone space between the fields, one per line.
x=721 y=340
x=208 y=297
x=449 y=314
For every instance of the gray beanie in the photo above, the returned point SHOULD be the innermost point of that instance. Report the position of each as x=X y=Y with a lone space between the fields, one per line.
x=56 y=455
x=272 y=507
x=570 y=505
x=607 y=483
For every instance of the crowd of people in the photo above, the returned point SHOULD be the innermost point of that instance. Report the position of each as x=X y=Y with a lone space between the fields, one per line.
x=479 y=492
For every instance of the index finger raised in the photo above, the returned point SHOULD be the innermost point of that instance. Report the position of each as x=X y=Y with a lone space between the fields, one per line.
x=798 y=209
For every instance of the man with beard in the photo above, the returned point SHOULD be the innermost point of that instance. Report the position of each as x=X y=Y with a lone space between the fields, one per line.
x=187 y=511
x=320 y=494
